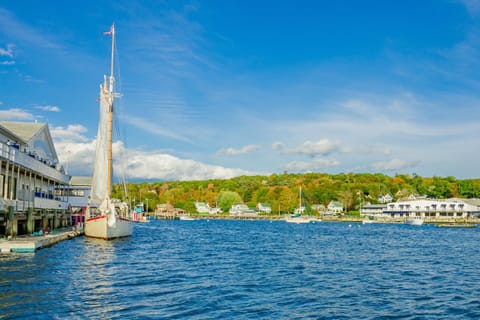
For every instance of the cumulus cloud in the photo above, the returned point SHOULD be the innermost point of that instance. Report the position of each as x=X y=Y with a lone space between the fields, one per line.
x=394 y=164
x=72 y=133
x=76 y=152
x=49 y=108
x=235 y=152
x=153 y=165
x=15 y=114
x=313 y=148
x=315 y=165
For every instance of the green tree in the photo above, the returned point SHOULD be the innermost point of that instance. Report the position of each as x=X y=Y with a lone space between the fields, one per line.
x=226 y=199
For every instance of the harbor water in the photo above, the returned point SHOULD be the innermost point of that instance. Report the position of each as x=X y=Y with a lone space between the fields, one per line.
x=225 y=269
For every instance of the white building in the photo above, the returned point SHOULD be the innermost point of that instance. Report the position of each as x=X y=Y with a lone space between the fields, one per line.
x=335 y=207
x=204 y=207
x=373 y=209
x=425 y=208
x=30 y=173
x=264 y=208
x=448 y=208
x=241 y=209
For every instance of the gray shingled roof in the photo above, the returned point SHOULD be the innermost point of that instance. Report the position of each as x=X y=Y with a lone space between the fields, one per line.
x=25 y=130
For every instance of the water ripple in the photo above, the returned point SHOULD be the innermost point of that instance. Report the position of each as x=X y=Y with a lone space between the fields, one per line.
x=249 y=270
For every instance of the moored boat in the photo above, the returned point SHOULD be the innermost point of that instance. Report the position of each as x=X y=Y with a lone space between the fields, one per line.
x=185 y=217
x=298 y=216
x=415 y=221
x=106 y=218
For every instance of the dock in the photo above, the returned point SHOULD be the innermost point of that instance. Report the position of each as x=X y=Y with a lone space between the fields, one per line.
x=30 y=243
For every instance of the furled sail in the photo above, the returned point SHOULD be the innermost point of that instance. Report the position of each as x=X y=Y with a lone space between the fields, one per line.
x=101 y=170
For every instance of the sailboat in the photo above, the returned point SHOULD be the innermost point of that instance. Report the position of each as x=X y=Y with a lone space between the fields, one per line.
x=106 y=218
x=297 y=216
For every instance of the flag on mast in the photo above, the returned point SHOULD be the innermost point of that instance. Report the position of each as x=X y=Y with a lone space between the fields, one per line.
x=111 y=30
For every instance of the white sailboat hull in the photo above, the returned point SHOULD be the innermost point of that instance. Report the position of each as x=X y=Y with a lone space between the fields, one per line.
x=415 y=222
x=99 y=227
x=298 y=220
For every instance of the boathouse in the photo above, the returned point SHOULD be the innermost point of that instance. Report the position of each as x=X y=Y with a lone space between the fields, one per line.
x=30 y=172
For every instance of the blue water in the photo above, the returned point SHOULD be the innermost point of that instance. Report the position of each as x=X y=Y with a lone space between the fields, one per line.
x=250 y=270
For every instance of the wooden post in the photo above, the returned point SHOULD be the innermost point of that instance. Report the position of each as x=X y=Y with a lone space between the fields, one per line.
x=30 y=221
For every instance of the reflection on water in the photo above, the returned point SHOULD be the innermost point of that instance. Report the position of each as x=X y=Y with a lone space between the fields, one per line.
x=249 y=270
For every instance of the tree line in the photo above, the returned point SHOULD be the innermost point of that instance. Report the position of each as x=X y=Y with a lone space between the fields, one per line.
x=281 y=191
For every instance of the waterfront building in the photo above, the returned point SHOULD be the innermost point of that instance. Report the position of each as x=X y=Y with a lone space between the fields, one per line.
x=373 y=209
x=425 y=208
x=204 y=207
x=335 y=207
x=242 y=210
x=264 y=208
x=434 y=208
x=76 y=194
x=168 y=211
x=30 y=173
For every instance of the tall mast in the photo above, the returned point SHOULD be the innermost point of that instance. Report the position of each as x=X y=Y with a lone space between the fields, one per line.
x=110 y=116
x=300 y=198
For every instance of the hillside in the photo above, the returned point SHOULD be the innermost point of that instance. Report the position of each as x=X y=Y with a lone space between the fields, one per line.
x=281 y=190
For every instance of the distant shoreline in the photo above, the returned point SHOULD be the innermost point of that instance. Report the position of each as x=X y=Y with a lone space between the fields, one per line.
x=428 y=220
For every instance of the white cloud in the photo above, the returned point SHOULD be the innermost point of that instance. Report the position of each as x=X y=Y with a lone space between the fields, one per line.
x=321 y=147
x=72 y=133
x=8 y=52
x=15 y=114
x=77 y=154
x=315 y=165
x=235 y=152
x=49 y=108
x=152 y=165
x=394 y=164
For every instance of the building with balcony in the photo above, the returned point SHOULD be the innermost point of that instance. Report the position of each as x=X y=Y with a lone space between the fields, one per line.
x=433 y=208
x=436 y=209
x=30 y=173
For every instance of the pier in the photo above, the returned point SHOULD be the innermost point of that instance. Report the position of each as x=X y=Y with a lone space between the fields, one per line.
x=30 y=243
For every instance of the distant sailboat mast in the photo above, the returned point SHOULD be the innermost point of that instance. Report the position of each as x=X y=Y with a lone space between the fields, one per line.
x=300 y=199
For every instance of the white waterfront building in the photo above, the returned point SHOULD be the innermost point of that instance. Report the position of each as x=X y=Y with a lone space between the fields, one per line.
x=204 y=207
x=241 y=209
x=30 y=174
x=264 y=207
x=426 y=208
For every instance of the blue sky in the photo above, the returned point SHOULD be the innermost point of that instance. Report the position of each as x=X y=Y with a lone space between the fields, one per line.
x=215 y=89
